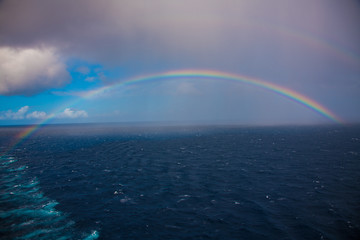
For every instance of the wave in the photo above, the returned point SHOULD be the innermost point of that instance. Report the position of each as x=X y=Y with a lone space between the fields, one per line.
x=26 y=213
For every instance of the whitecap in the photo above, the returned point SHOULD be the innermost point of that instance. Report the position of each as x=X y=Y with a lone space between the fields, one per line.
x=94 y=235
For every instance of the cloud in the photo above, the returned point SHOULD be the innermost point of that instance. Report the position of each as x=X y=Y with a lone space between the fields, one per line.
x=275 y=41
x=207 y=33
x=302 y=45
x=72 y=113
x=37 y=115
x=68 y=113
x=27 y=71
x=20 y=114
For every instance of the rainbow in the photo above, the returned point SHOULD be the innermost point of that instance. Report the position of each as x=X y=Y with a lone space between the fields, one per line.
x=306 y=39
x=208 y=74
x=20 y=137
x=313 y=41
x=190 y=74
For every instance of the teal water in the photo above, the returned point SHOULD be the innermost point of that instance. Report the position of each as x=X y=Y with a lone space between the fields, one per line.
x=25 y=212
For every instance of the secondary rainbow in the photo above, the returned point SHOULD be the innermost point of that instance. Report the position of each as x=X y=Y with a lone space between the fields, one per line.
x=189 y=74
x=208 y=74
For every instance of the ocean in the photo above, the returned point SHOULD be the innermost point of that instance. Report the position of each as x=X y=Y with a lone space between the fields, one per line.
x=113 y=181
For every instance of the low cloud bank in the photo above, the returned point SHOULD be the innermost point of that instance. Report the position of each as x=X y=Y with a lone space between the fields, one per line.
x=72 y=113
x=22 y=113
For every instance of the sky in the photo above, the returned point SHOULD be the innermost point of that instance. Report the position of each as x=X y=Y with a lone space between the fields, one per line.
x=80 y=61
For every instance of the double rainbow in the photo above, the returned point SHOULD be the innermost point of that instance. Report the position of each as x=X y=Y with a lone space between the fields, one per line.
x=191 y=74
x=209 y=74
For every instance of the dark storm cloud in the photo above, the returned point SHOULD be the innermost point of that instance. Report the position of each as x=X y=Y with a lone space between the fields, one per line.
x=147 y=36
x=146 y=30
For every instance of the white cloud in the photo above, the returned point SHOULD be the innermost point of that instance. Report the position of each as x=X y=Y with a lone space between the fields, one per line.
x=14 y=115
x=37 y=115
x=72 y=113
x=27 y=71
x=21 y=114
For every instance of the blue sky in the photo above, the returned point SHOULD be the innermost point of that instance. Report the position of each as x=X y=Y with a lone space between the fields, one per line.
x=52 y=53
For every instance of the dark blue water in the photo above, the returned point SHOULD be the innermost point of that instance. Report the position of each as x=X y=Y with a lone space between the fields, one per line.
x=117 y=182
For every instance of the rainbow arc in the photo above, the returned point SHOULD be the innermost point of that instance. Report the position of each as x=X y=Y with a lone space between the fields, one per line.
x=192 y=74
